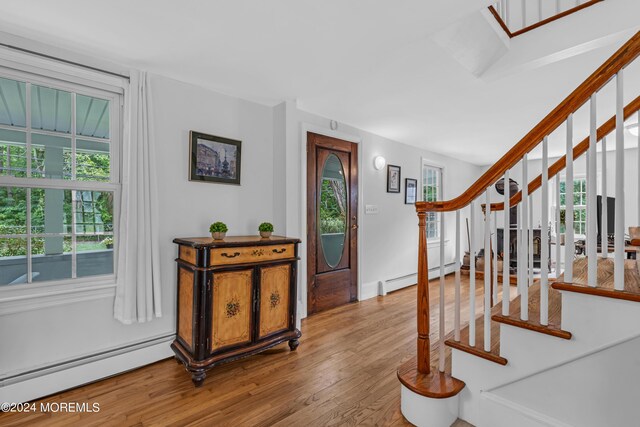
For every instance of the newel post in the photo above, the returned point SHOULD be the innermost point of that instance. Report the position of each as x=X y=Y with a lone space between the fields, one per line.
x=424 y=346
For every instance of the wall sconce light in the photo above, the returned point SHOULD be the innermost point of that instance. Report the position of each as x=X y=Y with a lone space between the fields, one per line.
x=633 y=129
x=379 y=162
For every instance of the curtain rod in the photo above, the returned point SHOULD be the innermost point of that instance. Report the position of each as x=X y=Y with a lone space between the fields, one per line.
x=43 y=55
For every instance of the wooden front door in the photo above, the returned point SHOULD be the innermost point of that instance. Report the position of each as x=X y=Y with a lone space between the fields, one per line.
x=332 y=222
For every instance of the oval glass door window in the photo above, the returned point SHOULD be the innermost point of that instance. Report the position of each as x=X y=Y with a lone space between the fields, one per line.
x=333 y=210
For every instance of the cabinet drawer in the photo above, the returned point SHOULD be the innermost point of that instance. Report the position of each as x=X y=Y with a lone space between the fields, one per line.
x=250 y=254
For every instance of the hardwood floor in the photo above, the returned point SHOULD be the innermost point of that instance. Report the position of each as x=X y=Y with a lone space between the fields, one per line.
x=343 y=373
x=554 y=326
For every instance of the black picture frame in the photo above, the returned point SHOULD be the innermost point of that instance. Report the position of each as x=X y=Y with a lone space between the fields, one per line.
x=410 y=191
x=206 y=161
x=393 y=179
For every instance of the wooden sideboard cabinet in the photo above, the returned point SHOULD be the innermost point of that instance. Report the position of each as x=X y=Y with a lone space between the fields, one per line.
x=236 y=297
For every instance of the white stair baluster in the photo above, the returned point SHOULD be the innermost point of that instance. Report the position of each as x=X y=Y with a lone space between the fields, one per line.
x=544 y=235
x=530 y=261
x=592 y=241
x=539 y=10
x=472 y=276
x=456 y=333
x=604 y=237
x=524 y=13
x=638 y=166
x=487 y=272
x=506 y=235
x=557 y=6
x=569 y=248
x=494 y=257
x=524 y=244
x=618 y=246
x=518 y=248
x=441 y=360
x=557 y=227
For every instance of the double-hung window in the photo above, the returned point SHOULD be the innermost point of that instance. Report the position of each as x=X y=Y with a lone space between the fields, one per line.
x=431 y=192
x=59 y=179
x=579 y=205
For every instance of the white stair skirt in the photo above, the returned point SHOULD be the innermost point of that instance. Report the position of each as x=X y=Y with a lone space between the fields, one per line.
x=424 y=411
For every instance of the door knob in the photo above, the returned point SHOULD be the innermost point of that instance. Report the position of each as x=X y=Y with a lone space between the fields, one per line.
x=354 y=226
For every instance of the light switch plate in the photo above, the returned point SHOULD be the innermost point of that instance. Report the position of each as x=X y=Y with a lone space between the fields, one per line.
x=371 y=209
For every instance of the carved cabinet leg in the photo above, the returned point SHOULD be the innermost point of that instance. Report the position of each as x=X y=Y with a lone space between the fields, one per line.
x=293 y=344
x=198 y=378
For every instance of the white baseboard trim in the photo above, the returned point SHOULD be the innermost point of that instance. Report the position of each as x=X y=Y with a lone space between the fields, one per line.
x=369 y=290
x=390 y=285
x=55 y=379
x=525 y=411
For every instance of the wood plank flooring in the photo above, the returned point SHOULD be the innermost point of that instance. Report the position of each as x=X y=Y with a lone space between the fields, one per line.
x=478 y=350
x=343 y=373
x=553 y=328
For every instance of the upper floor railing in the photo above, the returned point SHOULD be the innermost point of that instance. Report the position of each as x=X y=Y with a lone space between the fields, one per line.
x=519 y=16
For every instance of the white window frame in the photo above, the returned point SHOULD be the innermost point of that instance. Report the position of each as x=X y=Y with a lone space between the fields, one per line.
x=49 y=73
x=555 y=204
x=427 y=164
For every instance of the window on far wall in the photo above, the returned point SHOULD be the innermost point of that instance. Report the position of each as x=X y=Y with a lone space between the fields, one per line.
x=431 y=192
x=59 y=177
x=579 y=205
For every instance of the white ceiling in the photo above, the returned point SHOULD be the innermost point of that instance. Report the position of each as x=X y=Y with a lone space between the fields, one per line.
x=373 y=64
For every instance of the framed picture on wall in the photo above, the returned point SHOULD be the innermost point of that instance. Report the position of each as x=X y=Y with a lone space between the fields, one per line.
x=410 y=191
x=214 y=159
x=393 y=179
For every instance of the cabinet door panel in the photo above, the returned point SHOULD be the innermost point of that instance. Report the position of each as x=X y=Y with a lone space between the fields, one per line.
x=274 y=299
x=232 y=309
x=185 y=304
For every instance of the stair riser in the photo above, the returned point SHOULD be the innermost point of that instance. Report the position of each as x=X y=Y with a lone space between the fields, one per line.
x=595 y=321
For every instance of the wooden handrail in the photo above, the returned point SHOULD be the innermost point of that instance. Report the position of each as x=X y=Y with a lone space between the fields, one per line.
x=604 y=130
x=625 y=55
x=511 y=35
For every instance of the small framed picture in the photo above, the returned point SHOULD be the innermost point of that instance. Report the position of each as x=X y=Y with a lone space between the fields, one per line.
x=214 y=159
x=393 y=179
x=410 y=191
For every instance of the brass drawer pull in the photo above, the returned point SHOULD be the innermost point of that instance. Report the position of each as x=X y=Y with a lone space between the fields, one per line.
x=226 y=255
x=280 y=251
x=257 y=252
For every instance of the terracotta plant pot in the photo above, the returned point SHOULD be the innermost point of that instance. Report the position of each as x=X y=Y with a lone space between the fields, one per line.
x=265 y=234
x=218 y=235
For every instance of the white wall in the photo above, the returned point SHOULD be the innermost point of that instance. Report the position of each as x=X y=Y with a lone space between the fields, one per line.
x=39 y=337
x=389 y=240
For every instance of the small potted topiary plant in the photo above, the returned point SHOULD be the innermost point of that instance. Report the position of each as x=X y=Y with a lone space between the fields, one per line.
x=266 y=228
x=218 y=230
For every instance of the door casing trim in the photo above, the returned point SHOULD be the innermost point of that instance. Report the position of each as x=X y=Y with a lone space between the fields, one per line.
x=302 y=273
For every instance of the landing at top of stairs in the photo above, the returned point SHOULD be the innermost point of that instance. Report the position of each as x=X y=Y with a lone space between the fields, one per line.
x=605 y=285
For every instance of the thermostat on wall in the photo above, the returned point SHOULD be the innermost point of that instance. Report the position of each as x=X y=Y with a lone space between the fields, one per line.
x=371 y=209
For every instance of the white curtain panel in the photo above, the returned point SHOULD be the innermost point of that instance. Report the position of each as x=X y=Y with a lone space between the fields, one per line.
x=138 y=297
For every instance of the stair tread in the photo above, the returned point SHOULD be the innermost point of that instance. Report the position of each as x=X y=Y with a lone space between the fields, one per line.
x=435 y=384
x=555 y=313
x=605 y=286
x=478 y=349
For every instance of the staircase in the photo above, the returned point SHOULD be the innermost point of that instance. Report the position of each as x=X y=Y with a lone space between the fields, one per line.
x=566 y=350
